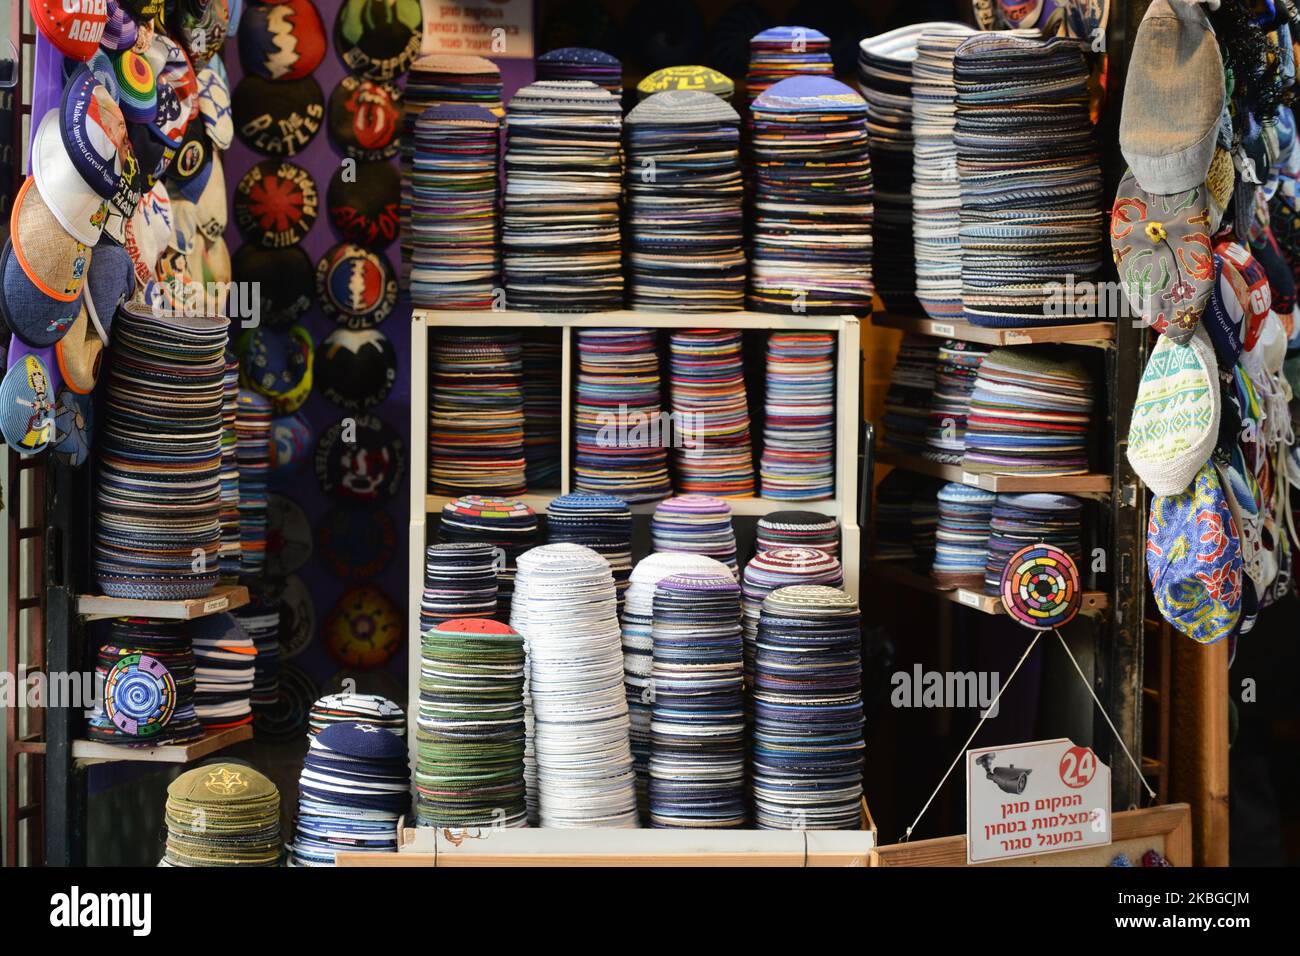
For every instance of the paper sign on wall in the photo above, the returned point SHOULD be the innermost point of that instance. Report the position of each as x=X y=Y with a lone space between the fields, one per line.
x=1035 y=798
x=500 y=29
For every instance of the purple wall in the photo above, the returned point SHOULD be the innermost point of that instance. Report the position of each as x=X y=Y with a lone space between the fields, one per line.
x=321 y=159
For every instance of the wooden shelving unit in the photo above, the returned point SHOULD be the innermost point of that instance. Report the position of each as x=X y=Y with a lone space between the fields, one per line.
x=224 y=597
x=1091 y=485
x=95 y=751
x=1098 y=334
x=426 y=507
x=1094 y=602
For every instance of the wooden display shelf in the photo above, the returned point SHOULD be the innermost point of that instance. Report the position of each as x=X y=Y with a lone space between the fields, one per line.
x=96 y=751
x=224 y=597
x=752 y=507
x=625 y=318
x=1091 y=484
x=425 y=507
x=1093 y=602
x=527 y=846
x=1098 y=334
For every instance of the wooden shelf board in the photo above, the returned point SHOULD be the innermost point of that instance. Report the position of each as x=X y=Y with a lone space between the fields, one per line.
x=224 y=597
x=1087 y=333
x=750 y=507
x=627 y=318
x=1092 y=484
x=97 y=751
x=1093 y=601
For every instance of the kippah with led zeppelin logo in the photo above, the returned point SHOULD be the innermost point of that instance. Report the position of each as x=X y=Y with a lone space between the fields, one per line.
x=379 y=39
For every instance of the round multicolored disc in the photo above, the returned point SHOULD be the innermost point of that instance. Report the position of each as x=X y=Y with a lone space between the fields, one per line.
x=1040 y=587
x=139 y=695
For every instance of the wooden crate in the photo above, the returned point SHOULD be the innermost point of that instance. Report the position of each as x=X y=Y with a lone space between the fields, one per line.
x=1167 y=829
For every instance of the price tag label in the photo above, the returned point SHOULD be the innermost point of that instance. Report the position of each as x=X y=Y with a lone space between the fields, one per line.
x=970 y=478
x=969 y=598
x=216 y=604
x=943 y=328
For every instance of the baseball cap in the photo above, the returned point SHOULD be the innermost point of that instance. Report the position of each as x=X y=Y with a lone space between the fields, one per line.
x=1170 y=116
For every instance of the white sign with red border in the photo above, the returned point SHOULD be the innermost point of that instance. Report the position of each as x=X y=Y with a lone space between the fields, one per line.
x=1029 y=799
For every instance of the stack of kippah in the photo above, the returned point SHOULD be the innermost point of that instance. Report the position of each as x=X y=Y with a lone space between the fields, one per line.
x=695 y=524
x=807 y=745
x=543 y=385
x=619 y=447
x=355 y=784
x=911 y=389
x=579 y=763
x=798 y=529
x=441 y=80
x=229 y=552
x=225 y=666
x=147 y=671
x=954 y=380
x=602 y=523
x=1020 y=520
x=1031 y=183
x=356 y=708
x=936 y=190
x=638 y=646
x=697 y=726
x=222 y=814
x=260 y=619
x=711 y=413
x=460 y=580
x=770 y=570
x=582 y=63
x=811 y=240
x=476 y=414
x=449 y=197
x=1030 y=414
x=469 y=764
x=685 y=216
x=885 y=79
x=782 y=52
x=503 y=523
x=907 y=515
x=560 y=224
x=253 y=448
x=798 y=461
x=962 y=537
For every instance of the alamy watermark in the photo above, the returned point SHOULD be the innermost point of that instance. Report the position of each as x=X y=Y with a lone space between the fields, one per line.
x=625 y=428
x=951 y=690
x=241 y=302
